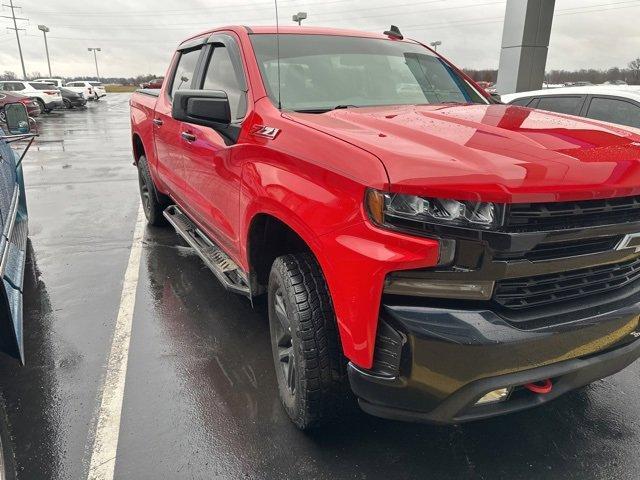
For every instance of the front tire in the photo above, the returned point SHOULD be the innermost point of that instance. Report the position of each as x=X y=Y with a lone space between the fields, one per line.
x=153 y=202
x=310 y=366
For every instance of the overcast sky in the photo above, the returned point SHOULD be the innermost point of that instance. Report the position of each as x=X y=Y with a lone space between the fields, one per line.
x=139 y=37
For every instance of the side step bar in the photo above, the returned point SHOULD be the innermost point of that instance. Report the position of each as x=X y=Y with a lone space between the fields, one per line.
x=230 y=275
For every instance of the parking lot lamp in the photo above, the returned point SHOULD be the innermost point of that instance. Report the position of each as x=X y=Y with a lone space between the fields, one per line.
x=298 y=17
x=44 y=30
x=95 y=57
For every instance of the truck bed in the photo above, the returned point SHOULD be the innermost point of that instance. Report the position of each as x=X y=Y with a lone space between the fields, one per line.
x=143 y=105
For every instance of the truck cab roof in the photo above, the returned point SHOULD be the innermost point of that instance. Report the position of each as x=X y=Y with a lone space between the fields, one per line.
x=296 y=30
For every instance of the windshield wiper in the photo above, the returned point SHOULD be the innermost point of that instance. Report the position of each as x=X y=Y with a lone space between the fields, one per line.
x=313 y=110
x=325 y=110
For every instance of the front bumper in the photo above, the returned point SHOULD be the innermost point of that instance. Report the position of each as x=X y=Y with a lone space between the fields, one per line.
x=54 y=104
x=450 y=358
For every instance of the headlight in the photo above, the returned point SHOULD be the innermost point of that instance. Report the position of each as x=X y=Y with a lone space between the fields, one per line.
x=402 y=211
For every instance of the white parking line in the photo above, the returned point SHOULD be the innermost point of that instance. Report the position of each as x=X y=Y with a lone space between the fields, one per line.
x=105 y=445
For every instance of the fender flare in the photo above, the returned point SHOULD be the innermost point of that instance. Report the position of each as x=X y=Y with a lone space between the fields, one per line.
x=269 y=206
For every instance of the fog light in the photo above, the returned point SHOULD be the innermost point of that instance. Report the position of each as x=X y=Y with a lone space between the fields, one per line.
x=498 y=395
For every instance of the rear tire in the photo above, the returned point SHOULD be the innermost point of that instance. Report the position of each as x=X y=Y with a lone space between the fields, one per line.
x=310 y=366
x=43 y=109
x=153 y=202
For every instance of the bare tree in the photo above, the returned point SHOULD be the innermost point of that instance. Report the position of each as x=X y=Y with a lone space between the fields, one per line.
x=634 y=66
x=8 y=75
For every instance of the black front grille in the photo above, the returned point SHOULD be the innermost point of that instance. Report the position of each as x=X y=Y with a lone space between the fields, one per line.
x=563 y=215
x=554 y=250
x=560 y=287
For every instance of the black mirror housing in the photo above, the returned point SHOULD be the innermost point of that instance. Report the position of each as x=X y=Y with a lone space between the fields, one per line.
x=17 y=119
x=202 y=107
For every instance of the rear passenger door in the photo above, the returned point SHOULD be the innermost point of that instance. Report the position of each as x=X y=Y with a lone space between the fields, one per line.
x=614 y=110
x=167 y=135
x=211 y=169
x=567 y=104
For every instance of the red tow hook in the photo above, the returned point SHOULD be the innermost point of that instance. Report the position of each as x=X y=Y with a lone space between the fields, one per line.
x=544 y=386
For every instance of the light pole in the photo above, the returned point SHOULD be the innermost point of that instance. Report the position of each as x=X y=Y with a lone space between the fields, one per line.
x=15 y=27
x=298 y=17
x=95 y=57
x=436 y=44
x=44 y=30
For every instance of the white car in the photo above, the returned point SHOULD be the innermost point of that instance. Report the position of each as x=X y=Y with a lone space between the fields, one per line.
x=58 y=82
x=44 y=93
x=610 y=103
x=91 y=90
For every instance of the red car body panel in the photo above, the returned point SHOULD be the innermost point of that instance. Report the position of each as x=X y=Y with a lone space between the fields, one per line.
x=33 y=109
x=313 y=175
x=494 y=153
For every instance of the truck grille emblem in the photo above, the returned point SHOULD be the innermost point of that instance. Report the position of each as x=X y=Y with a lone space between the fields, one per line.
x=631 y=240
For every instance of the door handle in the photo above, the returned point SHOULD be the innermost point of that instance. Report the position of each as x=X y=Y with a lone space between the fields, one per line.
x=189 y=137
x=157 y=121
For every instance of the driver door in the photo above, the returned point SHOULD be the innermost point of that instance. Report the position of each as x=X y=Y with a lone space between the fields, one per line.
x=210 y=160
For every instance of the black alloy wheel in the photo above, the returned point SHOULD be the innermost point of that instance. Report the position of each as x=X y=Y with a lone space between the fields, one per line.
x=284 y=343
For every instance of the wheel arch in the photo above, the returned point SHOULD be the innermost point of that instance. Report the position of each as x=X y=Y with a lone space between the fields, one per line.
x=138 y=147
x=268 y=237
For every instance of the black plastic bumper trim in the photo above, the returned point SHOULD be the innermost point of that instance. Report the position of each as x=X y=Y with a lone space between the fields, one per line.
x=459 y=407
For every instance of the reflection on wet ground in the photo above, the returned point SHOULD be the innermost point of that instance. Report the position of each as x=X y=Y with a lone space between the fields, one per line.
x=200 y=399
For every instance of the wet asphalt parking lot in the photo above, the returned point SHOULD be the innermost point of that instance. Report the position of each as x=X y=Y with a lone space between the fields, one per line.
x=200 y=400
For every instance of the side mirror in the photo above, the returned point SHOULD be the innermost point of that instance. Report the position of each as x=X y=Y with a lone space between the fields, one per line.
x=17 y=119
x=202 y=107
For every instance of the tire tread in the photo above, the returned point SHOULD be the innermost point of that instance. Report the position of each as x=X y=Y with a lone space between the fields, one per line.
x=322 y=366
x=158 y=201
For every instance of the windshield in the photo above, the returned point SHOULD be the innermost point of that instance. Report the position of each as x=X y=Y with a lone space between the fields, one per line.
x=320 y=73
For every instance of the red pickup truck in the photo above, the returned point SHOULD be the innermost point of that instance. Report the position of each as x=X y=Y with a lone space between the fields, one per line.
x=442 y=256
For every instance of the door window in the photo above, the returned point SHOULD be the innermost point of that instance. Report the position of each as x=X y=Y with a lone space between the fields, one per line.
x=565 y=104
x=185 y=70
x=522 y=102
x=222 y=76
x=614 y=111
x=13 y=86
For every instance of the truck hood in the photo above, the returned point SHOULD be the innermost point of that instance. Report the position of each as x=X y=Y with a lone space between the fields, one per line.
x=494 y=153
